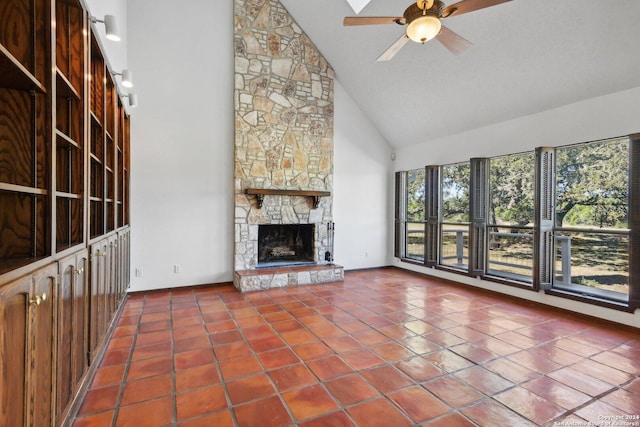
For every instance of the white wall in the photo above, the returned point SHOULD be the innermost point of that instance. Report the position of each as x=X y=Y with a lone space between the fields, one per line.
x=182 y=152
x=604 y=117
x=362 y=163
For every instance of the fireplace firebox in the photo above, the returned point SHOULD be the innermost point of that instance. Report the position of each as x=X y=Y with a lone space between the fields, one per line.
x=285 y=244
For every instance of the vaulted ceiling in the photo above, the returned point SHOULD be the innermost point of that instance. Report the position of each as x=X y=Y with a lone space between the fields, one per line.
x=528 y=56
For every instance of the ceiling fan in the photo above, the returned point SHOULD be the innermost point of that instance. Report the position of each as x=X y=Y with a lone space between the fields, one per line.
x=422 y=19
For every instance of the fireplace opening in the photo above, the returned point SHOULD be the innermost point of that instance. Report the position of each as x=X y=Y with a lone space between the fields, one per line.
x=285 y=244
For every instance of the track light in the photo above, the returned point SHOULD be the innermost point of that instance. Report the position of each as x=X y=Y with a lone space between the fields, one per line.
x=133 y=99
x=110 y=27
x=127 y=78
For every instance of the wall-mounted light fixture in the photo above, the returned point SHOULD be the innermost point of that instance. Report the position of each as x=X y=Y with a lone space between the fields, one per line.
x=133 y=99
x=110 y=27
x=127 y=78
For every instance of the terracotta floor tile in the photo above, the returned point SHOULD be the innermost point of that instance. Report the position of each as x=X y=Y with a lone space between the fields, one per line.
x=226 y=337
x=342 y=344
x=310 y=351
x=108 y=375
x=95 y=420
x=152 y=350
x=419 y=404
x=146 y=389
x=492 y=413
x=266 y=343
x=149 y=338
x=419 y=345
x=268 y=412
x=387 y=378
x=160 y=325
x=200 y=376
x=556 y=392
x=100 y=399
x=452 y=420
x=392 y=352
x=217 y=419
x=384 y=347
x=149 y=367
x=378 y=413
x=250 y=388
x=191 y=359
x=370 y=337
x=157 y=412
x=453 y=392
x=448 y=360
x=292 y=377
x=309 y=402
x=530 y=405
x=278 y=358
x=511 y=370
x=232 y=351
x=483 y=380
x=419 y=369
x=190 y=344
x=580 y=381
x=596 y=410
x=351 y=389
x=329 y=367
x=362 y=359
x=115 y=357
x=336 y=419
x=239 y=367
x=626 y=401
x=117 y=343
x=299 y=336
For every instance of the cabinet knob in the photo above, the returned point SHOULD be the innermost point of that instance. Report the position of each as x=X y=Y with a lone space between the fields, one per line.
x=79 y=271
x=38 y=299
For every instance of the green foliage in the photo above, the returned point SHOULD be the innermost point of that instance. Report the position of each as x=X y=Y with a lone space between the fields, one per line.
x=455 y=192
x=592 y=182
x=511 y=183
x=415 y=195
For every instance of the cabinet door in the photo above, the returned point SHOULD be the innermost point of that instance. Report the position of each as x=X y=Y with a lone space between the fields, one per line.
x=98 y=301
x=72 y=328
x=42 y=330
x=14 y=343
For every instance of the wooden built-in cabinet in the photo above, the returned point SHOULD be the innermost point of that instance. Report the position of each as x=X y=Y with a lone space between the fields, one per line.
x=64 y=207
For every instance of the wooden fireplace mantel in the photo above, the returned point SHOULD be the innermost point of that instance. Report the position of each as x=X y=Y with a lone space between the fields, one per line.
x=261 y=192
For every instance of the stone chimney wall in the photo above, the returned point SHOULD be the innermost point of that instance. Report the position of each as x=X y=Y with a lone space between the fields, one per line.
x=283 y=102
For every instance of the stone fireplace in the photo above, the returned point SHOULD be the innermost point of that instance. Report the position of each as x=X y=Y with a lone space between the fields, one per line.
x=283 y=102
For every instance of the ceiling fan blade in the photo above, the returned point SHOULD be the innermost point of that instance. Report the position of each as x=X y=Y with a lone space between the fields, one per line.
x=371 y=20
x=395 y=48
x=452 y=41
x=466 y=6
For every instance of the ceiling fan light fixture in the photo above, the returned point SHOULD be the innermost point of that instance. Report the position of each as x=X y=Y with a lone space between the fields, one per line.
x=424 y=28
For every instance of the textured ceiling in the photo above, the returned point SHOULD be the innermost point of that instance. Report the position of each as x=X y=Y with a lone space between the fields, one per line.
x=528 y=56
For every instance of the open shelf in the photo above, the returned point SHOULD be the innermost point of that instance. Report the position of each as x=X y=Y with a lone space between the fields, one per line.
x=13 y=75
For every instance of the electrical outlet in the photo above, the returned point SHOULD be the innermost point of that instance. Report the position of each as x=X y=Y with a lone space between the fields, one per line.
x=177 y=268
x=138 y=271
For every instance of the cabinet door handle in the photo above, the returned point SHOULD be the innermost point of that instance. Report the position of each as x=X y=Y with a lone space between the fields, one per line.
x=38 y=299
x=79 y=271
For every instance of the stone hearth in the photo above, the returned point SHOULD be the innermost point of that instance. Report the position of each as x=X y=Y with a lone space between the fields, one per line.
x=283 y=102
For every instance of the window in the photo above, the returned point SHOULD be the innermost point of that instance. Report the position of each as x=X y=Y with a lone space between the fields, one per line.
x=511 y=217
x=563 y=220
x=591 y=232
x=414 y=226
x=454 y=223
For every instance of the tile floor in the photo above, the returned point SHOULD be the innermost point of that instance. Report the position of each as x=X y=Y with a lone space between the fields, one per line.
x=384 y=348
